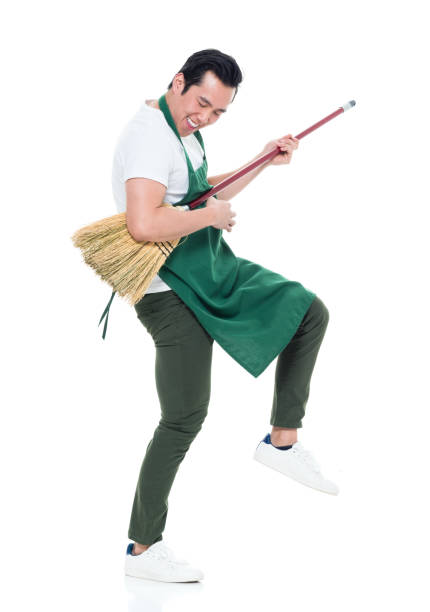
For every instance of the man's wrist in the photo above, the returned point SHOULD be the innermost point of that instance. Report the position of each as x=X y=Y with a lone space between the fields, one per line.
x=210 y=214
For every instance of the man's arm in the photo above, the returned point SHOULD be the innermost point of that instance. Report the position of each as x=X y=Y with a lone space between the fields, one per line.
x=148 y=220
x=231 y=190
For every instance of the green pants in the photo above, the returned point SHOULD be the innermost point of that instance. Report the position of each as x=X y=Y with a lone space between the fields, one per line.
x=183 y=380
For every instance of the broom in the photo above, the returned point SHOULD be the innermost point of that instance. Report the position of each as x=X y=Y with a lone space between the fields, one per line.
x=130 y=266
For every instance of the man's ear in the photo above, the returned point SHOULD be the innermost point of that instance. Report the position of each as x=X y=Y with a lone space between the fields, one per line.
x=179 y=81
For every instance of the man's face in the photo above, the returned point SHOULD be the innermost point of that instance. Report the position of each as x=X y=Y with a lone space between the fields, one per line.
x=202 y=104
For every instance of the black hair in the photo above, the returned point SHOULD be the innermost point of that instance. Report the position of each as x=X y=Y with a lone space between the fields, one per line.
x=223 y=66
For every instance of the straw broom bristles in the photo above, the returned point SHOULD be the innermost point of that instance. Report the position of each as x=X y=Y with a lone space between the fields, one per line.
x=127 y=265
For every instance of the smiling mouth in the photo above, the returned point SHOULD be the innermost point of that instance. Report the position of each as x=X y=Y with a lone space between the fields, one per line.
x=191 y=124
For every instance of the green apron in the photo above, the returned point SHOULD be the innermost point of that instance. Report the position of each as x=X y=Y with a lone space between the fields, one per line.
x=251 y=312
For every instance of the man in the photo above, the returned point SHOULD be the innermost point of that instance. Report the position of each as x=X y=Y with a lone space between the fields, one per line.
x=203 y=293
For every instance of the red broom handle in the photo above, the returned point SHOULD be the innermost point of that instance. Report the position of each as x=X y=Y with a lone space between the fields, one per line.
x=261 y=160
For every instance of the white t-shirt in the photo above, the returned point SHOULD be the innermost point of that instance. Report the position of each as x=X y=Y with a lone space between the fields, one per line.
x=148 y=148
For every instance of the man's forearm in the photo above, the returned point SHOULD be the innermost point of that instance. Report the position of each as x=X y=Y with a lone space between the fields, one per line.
x=231 y=190
x=171 y=223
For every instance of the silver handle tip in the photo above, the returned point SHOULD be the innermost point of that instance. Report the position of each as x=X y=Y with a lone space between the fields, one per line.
x=348 y=105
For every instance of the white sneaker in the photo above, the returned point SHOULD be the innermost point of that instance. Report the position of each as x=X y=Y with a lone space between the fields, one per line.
x=160 y=563
x=295 y=462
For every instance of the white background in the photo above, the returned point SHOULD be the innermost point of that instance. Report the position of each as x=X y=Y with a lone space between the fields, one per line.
x=347 y=218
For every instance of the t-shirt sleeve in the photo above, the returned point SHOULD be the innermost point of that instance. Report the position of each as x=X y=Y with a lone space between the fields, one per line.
x=145 y=152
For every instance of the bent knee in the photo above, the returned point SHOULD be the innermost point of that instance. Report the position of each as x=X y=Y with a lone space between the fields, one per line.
x=189 y=422
x=320 y=311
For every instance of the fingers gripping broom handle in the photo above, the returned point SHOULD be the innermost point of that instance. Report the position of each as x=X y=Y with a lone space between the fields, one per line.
x=264 y=158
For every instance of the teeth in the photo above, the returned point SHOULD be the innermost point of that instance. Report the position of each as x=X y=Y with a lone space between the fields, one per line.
x=191 y=123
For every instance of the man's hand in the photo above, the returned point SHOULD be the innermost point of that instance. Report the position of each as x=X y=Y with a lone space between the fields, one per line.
x=287 y=143
x=223 y=215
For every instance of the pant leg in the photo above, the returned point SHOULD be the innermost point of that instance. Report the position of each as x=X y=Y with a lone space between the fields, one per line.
x=295 y=365
x=183 y=374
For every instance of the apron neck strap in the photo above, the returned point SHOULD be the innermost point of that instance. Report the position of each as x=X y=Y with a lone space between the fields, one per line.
x=168 y=116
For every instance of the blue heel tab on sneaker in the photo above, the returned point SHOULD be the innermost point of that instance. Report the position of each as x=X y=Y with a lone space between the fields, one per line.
x=268 y=440
x=130 y=549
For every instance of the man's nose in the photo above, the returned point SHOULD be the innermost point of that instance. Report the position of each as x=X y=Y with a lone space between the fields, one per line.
x=205 y=118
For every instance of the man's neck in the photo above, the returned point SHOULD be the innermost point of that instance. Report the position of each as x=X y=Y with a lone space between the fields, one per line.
x=153 y=103
x=169 y=97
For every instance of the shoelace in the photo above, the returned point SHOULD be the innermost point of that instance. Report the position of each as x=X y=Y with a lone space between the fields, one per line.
x=162 y=552
x=306 y=456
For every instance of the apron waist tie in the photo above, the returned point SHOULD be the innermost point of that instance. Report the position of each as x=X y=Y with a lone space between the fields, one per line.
x=106 y=314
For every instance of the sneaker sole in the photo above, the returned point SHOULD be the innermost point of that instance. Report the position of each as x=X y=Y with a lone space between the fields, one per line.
x=158 y=579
